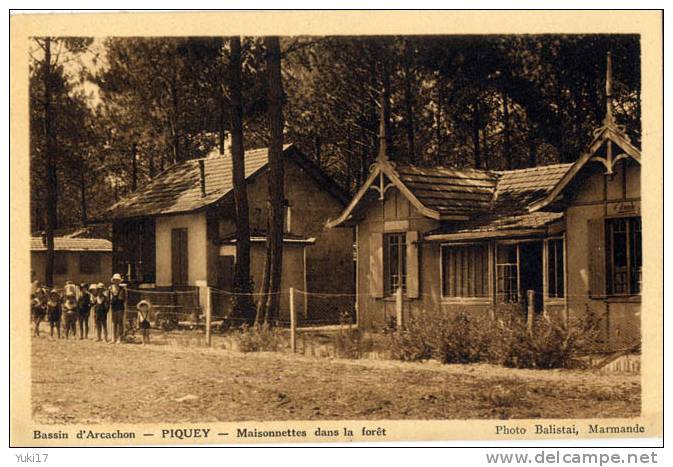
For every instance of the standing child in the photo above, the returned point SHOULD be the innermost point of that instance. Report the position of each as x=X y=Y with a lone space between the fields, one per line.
x=100 y=308
x=54 y=313
x=38 y=308
x=83 y=311
x=117 y=297
x=70 y=289
x=70 y=314
x=144 y=308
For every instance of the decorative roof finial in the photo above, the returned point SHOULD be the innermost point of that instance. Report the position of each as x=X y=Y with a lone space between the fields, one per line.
x=609 y=118
x=383 y=147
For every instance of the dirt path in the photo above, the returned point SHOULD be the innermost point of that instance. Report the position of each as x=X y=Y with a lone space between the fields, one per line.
x=87 y=382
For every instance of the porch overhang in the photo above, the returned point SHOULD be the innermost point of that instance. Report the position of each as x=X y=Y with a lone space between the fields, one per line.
x=540 y=224
x=475 y=236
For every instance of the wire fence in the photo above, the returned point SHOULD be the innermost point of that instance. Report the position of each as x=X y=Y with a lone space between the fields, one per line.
x=170 y=309
x=207 y=309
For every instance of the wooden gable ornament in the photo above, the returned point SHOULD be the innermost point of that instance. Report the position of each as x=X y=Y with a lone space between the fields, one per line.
x=610 y=136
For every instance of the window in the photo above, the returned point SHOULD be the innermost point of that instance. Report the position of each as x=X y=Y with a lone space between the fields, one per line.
x=60 y=263
x=465 y=271
x=89 y=263
x=395 y=262
x=555 y=278
x=507 y=266
x=624 y=253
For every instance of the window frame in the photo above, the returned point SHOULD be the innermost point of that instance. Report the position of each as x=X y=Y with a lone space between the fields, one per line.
x=388 y=290
x=487 y=297
x=610 y=256
x=517 y=265
x=548 y=298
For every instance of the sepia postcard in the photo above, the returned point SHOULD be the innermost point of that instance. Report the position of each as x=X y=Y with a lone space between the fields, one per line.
x=320 y=227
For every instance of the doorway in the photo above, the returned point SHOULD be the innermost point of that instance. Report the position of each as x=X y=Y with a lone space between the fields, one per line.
x=530 y=273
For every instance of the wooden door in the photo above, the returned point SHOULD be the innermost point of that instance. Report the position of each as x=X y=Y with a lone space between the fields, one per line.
x=179 y=257
x=225 y=272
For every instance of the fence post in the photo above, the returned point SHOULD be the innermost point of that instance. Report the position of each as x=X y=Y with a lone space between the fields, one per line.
x=531 y=310
x=398 y=308
x=293 y=322
x=209 y=314
x=125 y=316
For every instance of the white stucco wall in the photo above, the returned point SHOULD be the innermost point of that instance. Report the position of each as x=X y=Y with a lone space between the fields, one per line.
x=196 y=239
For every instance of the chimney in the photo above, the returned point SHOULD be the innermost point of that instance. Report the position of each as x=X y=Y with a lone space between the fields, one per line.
x=202 y=171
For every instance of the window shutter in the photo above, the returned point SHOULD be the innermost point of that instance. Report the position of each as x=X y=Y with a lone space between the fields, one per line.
x=596 y=229
x=175 y=257
x=413 y=286
x=376 y=264
x=179 y=258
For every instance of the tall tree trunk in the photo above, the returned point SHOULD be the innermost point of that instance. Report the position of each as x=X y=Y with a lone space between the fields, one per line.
x=50 y=149
x=507 y=133
x=362 y=172
x=349 y=161
x=242 y=282
x=275 y=200
x=438 y=120
x=387 y=112
x=175 y=133
x=475 y=136
x=82 y=193
x=532 y=152
x=409 y=103
x=317 y=149
x=151 y=165
x=134 y=166
x=485 y=149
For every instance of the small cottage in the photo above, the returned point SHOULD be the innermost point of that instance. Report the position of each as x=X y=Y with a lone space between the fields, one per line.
x=177 y=232
x=79 y=260
x=562 y=239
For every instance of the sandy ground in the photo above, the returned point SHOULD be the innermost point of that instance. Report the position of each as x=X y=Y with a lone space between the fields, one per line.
x=87 y=382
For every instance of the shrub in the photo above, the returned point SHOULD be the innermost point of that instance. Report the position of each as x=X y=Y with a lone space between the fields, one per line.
x=468 y=337
x=258 y=338
x=550 y=345
x=415 y=341
x=349 y=342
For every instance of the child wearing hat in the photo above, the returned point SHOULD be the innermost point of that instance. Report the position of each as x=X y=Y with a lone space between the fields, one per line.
x=54 y=313
x=144 y=308
x=70 y=314
x=70 y=289
x=117 y=297
x=38 y=309
x=83 y=310
x=100 y=306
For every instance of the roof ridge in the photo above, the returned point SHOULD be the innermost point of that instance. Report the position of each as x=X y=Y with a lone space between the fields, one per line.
x=537 y=167
x=444 y=167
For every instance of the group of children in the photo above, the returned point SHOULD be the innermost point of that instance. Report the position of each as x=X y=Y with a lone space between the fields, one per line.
x=76 y=304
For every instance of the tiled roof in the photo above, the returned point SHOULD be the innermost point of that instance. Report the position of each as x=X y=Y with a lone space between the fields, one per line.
x=450 y=191
x=72 y=244
x=517 y=189
x=178 y=189
x=480 y=192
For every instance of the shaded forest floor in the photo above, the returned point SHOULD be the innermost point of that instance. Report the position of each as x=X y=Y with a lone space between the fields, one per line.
x=87 y=382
